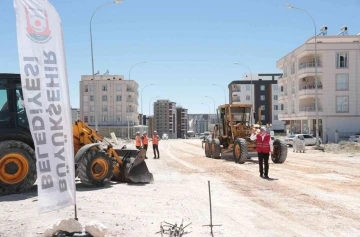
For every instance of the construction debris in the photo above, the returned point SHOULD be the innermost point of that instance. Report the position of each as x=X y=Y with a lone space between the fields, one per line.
x=343 y=147
x=173 y=230
x=70 y=225
x=96 y=228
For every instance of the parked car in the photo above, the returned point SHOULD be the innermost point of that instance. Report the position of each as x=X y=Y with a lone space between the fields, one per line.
x=309 y=140
x=165 y=136
x=355 y=137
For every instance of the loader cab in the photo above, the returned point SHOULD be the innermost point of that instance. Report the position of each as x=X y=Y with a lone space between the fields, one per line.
x=13 y=119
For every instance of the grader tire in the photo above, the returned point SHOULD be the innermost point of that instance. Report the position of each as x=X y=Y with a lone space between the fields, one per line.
x=215 y=149
x=208 y=148
x=240 y=151
x=95 y=168
x=280 y=152
x=17 y=167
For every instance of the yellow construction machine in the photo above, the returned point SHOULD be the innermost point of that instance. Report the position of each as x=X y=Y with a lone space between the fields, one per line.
x=96 y=160
x=233 y=135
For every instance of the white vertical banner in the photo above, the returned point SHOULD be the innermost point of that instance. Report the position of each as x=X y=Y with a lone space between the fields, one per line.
x=46 y=93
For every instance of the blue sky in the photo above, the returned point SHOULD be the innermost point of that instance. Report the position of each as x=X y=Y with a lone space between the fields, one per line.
x=189 y=45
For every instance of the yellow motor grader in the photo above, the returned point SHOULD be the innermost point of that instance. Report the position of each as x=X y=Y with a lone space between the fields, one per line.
x=233 y=135
x=96 y=159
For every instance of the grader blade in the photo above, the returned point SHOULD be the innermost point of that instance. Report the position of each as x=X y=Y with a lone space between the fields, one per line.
x=134 y=169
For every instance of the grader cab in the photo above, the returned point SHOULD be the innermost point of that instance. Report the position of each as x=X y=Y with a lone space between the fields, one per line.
x=232 y=134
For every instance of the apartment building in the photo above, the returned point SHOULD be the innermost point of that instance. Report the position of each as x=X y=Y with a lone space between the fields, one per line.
x=260 y=90
x=181 y=121
x=165 y=118
x=338 y=70
x=75 y=114
x=113 y=100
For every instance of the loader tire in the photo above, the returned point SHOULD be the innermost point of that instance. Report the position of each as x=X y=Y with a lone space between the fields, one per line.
x=95 y=168
x=280 y=152
x=17 y=167
x=208 y=148
x=240 y=151
x=215 y=149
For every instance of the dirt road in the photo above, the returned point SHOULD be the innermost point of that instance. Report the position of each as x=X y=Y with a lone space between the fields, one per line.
x=311 y=194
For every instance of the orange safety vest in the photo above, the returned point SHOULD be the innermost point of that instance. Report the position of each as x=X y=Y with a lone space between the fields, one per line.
x=137 y=140
x=145 y=140
x=263 y=146
x=155 y=139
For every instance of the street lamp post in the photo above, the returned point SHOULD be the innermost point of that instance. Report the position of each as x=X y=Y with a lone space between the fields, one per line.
x=92 y=57
x=141 y=119
x=208 y=115
x=213 y=101
x=223 y=89
x=251 y=88
x=316 y=78
x=127 y=116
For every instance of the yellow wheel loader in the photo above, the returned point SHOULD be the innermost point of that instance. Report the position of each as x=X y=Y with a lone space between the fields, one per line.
x=96 y=160
x=233 y=135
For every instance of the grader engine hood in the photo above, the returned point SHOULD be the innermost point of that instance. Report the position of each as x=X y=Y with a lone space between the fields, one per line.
x=134 y=168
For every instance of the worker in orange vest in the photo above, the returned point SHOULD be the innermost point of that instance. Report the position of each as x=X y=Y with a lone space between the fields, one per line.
x=155 y=142
x=264 y=148
x=145 y=142
x=137 y=140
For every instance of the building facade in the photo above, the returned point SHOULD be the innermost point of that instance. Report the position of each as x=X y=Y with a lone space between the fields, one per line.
x=112 y=99
x=338 y=70
x=75 y=114
x=165 y=118
x=182 y=121
x=260 y=90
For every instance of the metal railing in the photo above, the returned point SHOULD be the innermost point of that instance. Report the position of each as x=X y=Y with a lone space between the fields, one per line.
x=309 y=65
x=310 y=87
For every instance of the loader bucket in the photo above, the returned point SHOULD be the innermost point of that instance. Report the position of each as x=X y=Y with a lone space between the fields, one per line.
x=134 y=168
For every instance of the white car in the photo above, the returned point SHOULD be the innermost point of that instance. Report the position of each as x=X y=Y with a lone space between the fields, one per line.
x=309 y=140
x=355 y=137
x=165 y=136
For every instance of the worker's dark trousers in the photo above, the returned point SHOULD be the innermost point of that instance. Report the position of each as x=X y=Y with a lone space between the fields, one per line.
x=156 y=149
x=138 y=147
x=263 y=158
x=145 y=147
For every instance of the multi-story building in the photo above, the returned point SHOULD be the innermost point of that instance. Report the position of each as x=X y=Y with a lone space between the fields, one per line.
x=260 y=90
x=165 y=118
x=181 y=121
x=338 y=70
x=113 y=100
x=75 y=115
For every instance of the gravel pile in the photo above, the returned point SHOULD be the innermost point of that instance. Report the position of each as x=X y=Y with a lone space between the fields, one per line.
x=343 y=147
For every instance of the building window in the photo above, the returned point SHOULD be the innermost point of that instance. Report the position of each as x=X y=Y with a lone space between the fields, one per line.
x=276 y=107
x=262 y=117
x=104 y=108
x=91 y=87
x=104 y=98
x=282 y=107
x=91 y=98
x=342 y=82
x=341 y=60
x=276 y=117
x=92 y=108
x=342 y=104
x=118 y=118
x=293 y=86
x=92 y=119
x=262 y=97
x=118 y=97
x=262 y=107
x=118 y=108
x=86 y=88
x=248 y=87
x=275 y=97
x=86 y=108
x=262 y=87
x=293 y=106
x=86 y=119
x=275 y=87
x=118 y=87
x=104 y=88
x=247 y=97
x=104 y=118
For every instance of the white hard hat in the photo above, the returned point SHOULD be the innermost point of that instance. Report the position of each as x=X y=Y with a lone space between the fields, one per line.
x=137 y=132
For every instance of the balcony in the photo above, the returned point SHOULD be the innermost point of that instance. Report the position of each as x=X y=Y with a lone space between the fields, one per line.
x=309 y=90
x=236 y=88
x=309 y=67
x=236 y=98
